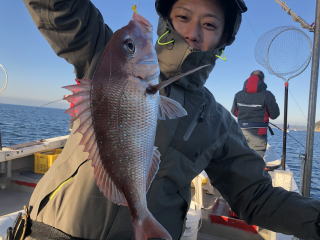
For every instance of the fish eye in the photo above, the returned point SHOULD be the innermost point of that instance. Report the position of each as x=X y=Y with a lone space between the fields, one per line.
x=129 y=46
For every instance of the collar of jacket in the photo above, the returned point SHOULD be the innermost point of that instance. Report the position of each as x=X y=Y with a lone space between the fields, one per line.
x=178 y=57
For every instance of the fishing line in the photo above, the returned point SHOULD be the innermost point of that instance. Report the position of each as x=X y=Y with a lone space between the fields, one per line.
x=246 y=18
x=305 y=117
x=42 y=105
x=134 y=5
x=3 y=69
x=48 y=103
x=288 y=134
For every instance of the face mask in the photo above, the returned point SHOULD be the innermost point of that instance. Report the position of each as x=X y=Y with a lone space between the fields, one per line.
x=176 y=56
x=171 y=48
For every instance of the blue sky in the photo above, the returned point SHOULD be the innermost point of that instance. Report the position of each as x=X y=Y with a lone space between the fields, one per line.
x=36 y=74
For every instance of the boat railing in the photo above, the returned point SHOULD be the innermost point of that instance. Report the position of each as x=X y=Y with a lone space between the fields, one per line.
x=7 y=154
x=22 y=150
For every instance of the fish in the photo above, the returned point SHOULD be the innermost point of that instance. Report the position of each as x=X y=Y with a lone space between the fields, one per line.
x=118 y=111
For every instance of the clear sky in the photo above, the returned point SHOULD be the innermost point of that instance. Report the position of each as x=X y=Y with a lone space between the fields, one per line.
x=36 y=74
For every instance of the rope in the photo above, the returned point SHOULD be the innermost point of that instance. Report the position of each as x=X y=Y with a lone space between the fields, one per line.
x=295 y=17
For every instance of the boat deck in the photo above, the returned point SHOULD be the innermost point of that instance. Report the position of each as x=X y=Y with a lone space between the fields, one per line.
x=14 y=197
x=12 y=200
x=14 y=194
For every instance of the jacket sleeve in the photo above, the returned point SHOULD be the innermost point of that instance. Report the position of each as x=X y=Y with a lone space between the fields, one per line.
x=272 y=105
x=234 y=109
x=74 y=29
x=250 y=193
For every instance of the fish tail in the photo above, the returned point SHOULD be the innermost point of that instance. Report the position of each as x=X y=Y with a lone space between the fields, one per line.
x=149 y=228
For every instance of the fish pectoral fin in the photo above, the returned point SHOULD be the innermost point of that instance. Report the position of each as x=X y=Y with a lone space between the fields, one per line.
x=169 y=108
x=107 y=186
x=154 y=167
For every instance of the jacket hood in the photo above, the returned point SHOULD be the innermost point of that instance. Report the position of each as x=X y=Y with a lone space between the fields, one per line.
x=176 y=56
x=254 y=84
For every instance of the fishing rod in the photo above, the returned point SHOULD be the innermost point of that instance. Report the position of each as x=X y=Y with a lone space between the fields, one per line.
x=287 y=134
x=2 y=88
x=295 y=17
x=307 y=168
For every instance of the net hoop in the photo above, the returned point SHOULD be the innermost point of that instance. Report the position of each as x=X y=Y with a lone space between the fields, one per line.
x=266 y=42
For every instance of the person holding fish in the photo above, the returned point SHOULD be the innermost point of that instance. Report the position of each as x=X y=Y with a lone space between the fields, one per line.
x=126 y=174
x=253 y=106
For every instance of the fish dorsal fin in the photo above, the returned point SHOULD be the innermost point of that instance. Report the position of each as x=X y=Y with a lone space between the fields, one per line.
x=154 y=167
x=79 y=103
x=80 y=109
x=169 y=108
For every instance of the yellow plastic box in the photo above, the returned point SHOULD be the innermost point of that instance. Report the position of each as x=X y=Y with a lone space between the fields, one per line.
x=44 y=160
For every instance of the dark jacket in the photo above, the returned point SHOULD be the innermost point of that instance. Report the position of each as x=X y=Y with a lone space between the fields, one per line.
x=255 y=104
x=67 y=197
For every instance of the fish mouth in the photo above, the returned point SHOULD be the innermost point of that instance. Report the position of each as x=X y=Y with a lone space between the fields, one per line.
x=150 y=77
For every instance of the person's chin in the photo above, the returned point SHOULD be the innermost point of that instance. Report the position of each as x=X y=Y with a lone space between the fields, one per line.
x=196 y=48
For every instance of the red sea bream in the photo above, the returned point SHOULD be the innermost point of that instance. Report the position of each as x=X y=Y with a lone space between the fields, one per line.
x=118 y=110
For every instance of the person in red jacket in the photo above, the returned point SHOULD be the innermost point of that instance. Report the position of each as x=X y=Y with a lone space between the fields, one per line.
x=253 y=106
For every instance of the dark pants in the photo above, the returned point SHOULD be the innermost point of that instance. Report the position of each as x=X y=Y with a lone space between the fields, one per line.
x=255 y=141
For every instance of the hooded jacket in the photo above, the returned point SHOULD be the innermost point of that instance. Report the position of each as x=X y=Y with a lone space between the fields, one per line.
x=67 y=197
x=255 y=104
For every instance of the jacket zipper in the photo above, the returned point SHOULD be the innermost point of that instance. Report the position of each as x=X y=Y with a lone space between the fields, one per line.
x=198 y=118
